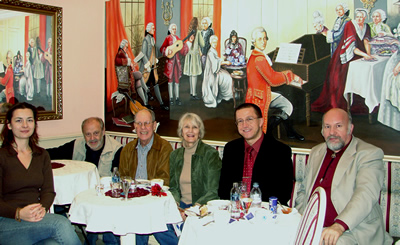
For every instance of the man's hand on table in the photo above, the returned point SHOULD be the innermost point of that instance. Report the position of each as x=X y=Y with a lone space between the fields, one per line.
x=331 y=234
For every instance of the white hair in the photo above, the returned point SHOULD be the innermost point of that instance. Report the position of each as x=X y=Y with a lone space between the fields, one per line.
x=344 y=6
x=170 y=27
x=381 y=12
x=212 y=38
x=254 y=33
x=209 y=21
x=149 y=26
x=361 y=10
x=318 y=17
x=123 y=43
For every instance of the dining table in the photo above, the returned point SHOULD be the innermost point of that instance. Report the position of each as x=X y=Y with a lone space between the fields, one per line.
x=71 y=177
x=137 y=215
x=365 y=78
x=281 y=230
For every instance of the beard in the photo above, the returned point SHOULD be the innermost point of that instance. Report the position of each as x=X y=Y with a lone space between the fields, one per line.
x=335 y=146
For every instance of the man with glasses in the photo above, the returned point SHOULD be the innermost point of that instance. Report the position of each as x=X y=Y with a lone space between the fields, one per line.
x=256 y=157
x=147 y=157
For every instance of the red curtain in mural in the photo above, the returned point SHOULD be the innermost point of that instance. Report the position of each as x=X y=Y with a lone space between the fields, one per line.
x=150 y=13
x=186 y=16
x=115 y=32
x=26 y=36
x=217 y=23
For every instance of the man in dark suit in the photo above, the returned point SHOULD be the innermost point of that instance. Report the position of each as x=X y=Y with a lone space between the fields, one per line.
x=256 y=157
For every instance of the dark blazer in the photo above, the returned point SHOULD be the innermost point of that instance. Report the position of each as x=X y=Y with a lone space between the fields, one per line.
x=273 y=169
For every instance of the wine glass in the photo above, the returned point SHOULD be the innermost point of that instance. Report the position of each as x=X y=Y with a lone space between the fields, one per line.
x=126 y=185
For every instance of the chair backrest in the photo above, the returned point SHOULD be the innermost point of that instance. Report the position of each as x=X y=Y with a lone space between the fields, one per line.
x=312 y=221
x=124 y=82
x=242 y=42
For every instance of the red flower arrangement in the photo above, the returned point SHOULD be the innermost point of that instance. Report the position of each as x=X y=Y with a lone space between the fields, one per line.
x=156 y=190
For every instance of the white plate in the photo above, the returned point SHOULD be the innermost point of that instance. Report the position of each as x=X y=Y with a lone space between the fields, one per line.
x=215 y=204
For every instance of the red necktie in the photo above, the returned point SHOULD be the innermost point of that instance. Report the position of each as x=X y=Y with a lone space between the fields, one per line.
x=248 y=168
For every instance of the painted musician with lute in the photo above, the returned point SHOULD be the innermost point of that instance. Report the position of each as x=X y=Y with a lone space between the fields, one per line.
x=173 y=48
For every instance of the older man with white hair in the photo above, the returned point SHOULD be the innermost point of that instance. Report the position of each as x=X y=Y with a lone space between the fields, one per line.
x=148 y=64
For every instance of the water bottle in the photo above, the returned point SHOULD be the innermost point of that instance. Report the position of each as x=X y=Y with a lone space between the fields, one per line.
x=115 y=176
x=235 y=201
x=255 y=194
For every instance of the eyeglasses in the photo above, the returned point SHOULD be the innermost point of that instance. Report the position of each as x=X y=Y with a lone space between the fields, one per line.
x=140 y=124
x=248 y=120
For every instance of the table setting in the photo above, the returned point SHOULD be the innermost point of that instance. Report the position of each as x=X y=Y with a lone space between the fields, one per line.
x=255 y=225
x=147 y=208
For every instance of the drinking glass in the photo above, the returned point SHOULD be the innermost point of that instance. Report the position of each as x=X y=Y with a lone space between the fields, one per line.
x=126 y=185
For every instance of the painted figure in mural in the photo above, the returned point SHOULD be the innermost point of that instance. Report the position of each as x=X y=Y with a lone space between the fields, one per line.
x=173 y=67
x=389 y=109
x=193 y=67
x=354 y=45
x=148 y=64
x=26 y=82
x=48 y=68
x=18 y=63
x=217 y=82
x=136 y=82
x=261 y=76
x=207 y=32
x=234 y=50
x=335 y=35
x=38 y=71
x=8 y=81
x=378 y=26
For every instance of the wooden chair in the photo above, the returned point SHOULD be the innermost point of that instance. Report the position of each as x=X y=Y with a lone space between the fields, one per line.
x=239 y=82
x=312 y=221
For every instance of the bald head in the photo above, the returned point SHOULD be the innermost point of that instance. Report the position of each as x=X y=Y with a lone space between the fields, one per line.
x=337 y=128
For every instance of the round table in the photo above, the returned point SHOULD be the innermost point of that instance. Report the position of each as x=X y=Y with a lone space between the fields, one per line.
x=73 y=178
x=143 y=215
x=241 y=232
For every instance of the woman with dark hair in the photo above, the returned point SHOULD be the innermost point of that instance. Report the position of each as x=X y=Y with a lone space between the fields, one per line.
x=193 y=66
x=233 y=49
x=26 y=185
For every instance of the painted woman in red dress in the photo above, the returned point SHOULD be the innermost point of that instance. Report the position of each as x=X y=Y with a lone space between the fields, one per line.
x=354 y=45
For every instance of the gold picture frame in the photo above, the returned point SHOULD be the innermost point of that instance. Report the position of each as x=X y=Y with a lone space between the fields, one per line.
x=31 y=34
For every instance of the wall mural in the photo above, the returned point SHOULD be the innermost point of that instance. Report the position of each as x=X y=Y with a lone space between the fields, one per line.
x=351 y=63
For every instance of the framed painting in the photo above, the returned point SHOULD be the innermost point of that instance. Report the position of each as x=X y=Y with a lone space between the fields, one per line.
x=31 y=57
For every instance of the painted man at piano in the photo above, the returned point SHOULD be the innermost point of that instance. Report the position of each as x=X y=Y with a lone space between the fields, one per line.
x=173 y=67
x=148 y=64
x=136 y=78
x=261 y=77
x=351 y=172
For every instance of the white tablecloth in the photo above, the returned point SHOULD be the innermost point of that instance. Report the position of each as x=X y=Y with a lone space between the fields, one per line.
x=240 y=232
x=73 y=178
x=365 y=79
x=143 y=215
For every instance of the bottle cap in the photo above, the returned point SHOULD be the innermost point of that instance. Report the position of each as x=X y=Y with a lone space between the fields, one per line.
x=255 y=184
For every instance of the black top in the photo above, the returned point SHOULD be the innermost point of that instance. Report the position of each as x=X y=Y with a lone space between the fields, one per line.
x=273 y=169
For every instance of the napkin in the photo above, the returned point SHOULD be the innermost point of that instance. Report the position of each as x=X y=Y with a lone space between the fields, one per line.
x=55 y=165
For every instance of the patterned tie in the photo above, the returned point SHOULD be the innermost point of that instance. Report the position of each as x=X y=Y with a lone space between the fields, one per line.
x=248 y=169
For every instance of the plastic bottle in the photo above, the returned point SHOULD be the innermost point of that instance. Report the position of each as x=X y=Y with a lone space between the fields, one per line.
x=255 y=194
x=235 y=201
x=115 y=176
